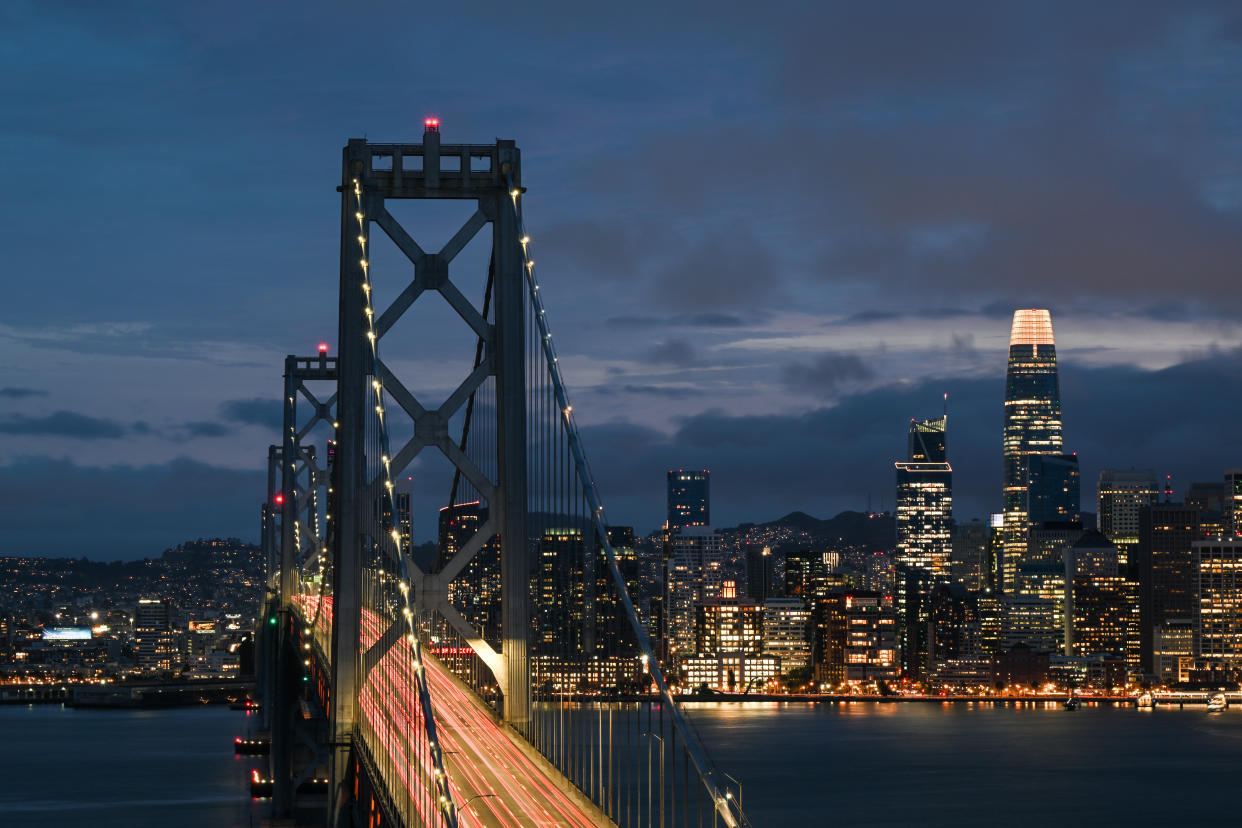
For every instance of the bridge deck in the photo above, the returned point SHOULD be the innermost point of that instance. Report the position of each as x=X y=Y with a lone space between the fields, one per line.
x=497 y=780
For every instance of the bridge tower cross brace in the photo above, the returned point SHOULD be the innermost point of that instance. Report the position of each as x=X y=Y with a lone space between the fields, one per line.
x=483 y=173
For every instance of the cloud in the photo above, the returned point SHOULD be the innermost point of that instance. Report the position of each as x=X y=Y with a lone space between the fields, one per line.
x=675 y=352
x=132 y=511
x=65 y=424
x=13 y=393
x=826 y=375
x=1177 y=420
x=206 y=429
x=724 y=271
x=260 y=411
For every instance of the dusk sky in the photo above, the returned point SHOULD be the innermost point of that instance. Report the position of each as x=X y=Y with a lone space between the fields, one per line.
x=768 y=236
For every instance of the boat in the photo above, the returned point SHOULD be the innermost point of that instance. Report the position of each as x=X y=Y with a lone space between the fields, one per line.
x=1217 y=703
x=1145 y=701
x=1070 y=704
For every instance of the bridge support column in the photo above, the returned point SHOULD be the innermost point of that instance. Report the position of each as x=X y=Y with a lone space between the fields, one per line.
x=511 y=448
x=349 y=504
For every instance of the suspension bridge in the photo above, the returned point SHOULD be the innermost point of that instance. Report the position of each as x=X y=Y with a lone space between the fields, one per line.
x=509 y=681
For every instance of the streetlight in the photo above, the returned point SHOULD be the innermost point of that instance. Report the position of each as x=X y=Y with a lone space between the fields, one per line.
x=739 y=792
x=466 y=804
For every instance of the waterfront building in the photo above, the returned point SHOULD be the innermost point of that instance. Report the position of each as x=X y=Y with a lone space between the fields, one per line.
x=689 y=498
x=1032 y=421
x=155 y=639
x=925 y=499
x=855 y=639
x=953 y=628
x=787 y=632
x=1174 y=650
x=694 y=574
x=1167 y=575
x=1219 y=627
x=1122 y=494
x=612 y=634
x=729 y=644
x=1033 y=621
x=971 y=554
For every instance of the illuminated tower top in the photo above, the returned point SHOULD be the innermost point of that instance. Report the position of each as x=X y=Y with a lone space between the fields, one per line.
x=1031 y=327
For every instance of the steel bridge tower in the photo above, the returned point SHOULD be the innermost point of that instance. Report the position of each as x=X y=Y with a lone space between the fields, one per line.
x=484 y=174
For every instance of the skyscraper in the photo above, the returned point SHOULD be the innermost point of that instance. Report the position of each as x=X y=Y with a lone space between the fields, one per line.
x=689 y=498
x=1032 y=418
x=1121 y=495
x=1233 y=501
x=925 y=499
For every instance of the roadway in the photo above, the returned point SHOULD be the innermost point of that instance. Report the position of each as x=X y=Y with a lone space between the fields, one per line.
x=494 y=783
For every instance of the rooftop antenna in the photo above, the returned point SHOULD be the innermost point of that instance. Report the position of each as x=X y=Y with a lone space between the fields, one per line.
x=1168 y=488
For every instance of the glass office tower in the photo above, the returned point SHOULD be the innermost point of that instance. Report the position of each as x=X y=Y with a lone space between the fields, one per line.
x=1032 y=420
x=925 y=500
x=689 y=498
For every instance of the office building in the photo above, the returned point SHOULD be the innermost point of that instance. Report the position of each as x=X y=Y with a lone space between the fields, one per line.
x=787 y=632
x=925 y=499
x=1206 y=497
x=694 y=571
x=475 y=592
x=1232 y=507
x=1098 y=615
x=1032 y=420
x=155 y=640
x=855 y=639
x=971 y=556
x=562 y=600
x=1219 y=627
x=1121 y=495
x=1167 y=574
x=689 y=498
x=1053 y=491
x=729 y=644
x=759 y=571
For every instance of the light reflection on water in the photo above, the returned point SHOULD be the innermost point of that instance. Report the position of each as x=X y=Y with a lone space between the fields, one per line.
x=976 y=763
x=64 y=768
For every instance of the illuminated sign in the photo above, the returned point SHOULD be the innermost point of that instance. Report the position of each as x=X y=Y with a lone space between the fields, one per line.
x=67 y=634
x=203 y=626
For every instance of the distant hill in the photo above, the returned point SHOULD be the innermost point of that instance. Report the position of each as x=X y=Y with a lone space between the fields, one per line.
x=872 y=531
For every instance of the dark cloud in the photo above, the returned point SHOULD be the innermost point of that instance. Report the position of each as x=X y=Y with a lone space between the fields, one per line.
x=65 y=424
x=13 y=393
x=206 y=429
x=826 y=374
x=694 y=320
x=828 y=459
x=261 y=411
x=675 y=352
x=132 y=511
x=675 y=392
x=727 y=270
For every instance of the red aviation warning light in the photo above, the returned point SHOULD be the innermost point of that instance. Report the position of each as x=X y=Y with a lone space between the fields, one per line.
x=278 y=499
x=431 y=124
x=323 y=347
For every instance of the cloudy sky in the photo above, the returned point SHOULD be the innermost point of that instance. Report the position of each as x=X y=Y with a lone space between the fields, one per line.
x=768 y=236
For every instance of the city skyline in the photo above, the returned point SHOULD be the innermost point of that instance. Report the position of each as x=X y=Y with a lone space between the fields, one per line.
x=742 y=323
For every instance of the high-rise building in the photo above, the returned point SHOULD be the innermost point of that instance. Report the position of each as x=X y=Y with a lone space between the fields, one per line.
x=1032 y=420
x=155 y=643
x=759 y=570
x=1219 y=628
x=786 y=632
x=689 y=498
x=1098 y=617
x=1206 y=497
x=728 y=644
x=476 y=589
x=971 y=564
x=1053 y=490
x=925 y=499
x=1167 y=575
x=694 y=569
x=1121 y=495
x=562 y=601
x=1232 y=506
x=855 y=638
x=613 y=635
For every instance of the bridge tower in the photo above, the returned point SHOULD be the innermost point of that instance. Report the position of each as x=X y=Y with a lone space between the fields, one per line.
x=372 y=175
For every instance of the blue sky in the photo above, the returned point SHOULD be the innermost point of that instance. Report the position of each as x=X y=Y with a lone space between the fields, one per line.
x=767 y=236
